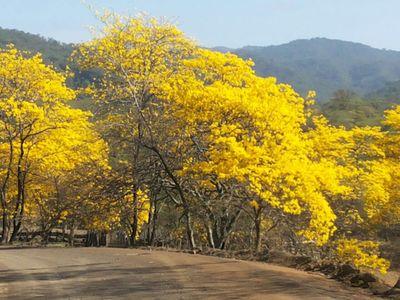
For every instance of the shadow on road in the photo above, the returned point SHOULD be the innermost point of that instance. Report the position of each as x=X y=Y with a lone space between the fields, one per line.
x=138 y=277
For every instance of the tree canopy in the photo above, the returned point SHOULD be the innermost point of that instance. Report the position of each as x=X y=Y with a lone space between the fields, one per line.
x=190 y=144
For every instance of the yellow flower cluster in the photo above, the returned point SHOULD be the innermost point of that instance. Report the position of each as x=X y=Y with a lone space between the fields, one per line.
x=363 y=254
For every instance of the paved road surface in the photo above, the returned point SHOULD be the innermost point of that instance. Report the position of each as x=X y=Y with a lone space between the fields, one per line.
x=110 y=273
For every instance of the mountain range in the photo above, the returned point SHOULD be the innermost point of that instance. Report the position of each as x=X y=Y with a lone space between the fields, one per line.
x=372 y=76
x=325 y=65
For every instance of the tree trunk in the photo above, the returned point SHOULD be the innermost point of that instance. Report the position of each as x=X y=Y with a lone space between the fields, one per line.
x=63 y=233
x=210 y=236
x=16 y=227
x=134 y=228
x=154 y=224
x=149 y=222
x=92 y=239
x=102 y=238
x=134 y=225
x=185 y=204
x=228 y=225
x=257 y=230
x=189 y=229
x=3 y=196
x=45 y=237
x=257 y=238
x=20 y=204
x=71 y=236
x=6 y=228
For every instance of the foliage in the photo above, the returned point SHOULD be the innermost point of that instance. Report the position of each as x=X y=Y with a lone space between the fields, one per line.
x=322 y=64
x=363 y=254
x=42 y=139
x=52 y=51
x=189 y=146
x=349 y=109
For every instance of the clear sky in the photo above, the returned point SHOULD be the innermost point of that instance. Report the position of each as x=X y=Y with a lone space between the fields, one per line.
x=231 y=23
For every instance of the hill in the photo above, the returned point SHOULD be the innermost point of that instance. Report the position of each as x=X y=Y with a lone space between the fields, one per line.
x=349 y=109
x=53 y=51
x=331 y=67
x=319 y=64
x=389 y=93
x=325 y=65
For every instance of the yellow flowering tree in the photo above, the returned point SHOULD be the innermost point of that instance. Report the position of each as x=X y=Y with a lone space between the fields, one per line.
x=359 y=159
x=40 y=134
x=135 y=56
x=201 y=129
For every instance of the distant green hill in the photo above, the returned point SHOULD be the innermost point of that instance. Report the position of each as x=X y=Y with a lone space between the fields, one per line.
x=325 y=65
x=331 y=67
x=317 y=64
x=53 y=51
x=390 y=93
x=349 y=109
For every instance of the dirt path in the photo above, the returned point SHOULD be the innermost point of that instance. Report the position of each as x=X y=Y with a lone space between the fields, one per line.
x=105 y=273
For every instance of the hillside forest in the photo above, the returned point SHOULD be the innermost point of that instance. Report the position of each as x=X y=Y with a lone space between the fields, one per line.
x=174 y=144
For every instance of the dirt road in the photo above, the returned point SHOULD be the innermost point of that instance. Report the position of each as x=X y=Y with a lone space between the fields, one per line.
x=110 y=273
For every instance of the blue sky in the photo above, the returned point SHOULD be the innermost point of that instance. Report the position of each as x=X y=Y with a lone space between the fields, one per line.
x=231 y=23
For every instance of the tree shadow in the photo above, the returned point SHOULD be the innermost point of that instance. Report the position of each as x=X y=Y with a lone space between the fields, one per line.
x=184 y=281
